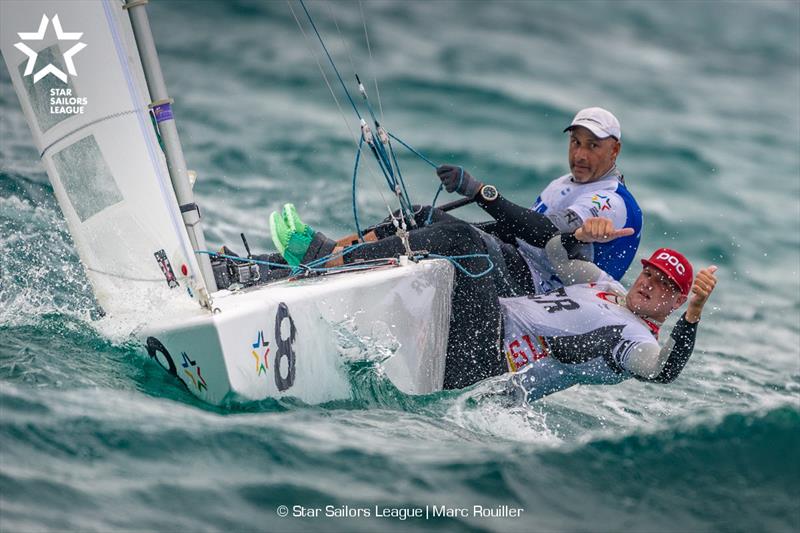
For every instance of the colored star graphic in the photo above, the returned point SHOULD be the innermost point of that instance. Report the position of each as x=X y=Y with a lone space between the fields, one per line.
x=596 y=200
x=260 y=343
x=38 y=35
x=199 y=383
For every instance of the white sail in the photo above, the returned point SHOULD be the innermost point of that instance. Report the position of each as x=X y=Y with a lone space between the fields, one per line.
x=77 y=73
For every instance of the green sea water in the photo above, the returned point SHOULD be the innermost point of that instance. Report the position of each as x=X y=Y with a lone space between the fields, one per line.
x=94 y=436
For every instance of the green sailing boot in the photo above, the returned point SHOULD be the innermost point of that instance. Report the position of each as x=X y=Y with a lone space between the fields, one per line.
x=290 y=235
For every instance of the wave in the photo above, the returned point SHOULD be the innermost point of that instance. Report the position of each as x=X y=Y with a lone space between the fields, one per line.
x=741 y=473
x=133 y=453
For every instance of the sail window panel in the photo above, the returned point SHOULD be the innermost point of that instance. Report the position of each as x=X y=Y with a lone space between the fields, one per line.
x=39 y=92
x=86 y=178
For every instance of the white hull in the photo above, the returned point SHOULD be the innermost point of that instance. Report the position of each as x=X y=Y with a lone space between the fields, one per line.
x=292 y=338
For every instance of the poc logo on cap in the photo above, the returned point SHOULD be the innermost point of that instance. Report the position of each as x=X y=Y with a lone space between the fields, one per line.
x=672 y=260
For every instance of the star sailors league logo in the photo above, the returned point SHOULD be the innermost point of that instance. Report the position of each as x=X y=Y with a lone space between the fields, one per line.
x=38 y=35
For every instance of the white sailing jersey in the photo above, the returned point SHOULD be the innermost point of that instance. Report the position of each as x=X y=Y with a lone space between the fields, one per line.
x=576 y=334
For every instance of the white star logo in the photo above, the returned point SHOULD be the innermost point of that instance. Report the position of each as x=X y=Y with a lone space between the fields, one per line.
x=38 y=35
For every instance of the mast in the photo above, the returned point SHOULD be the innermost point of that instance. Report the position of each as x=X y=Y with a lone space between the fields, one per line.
x=162 y=108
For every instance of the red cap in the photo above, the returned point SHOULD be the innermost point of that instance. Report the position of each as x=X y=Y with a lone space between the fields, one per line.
x=674 y=265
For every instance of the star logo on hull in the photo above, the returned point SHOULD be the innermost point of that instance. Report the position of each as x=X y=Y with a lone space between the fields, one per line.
x=38 y=35
x=188 y=364
x=261 y=342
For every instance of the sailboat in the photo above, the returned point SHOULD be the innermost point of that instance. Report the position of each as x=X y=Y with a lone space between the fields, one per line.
x=90 y=85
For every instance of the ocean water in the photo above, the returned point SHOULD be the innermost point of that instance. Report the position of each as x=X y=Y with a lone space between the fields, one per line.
x=94 y=436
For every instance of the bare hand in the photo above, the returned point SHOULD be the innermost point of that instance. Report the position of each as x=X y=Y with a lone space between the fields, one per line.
x=599 y=229
x=704 y=283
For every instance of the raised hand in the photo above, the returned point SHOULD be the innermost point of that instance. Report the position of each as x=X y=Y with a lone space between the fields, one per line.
x=599 y=229
x=703 y=286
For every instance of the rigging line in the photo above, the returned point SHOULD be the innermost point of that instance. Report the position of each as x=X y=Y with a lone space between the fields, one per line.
x=383 y=144
x=336 y=70
x=355 y=175
x=384 y=161
x=370 y=171
x=322 y=71
x=341 y=37
x=244 y=259
x=379 y=147
x=431 y=163
x=334 y=255
x=454 y=259
x=371 y=62
x=399 y=174
x=381 y=151
x=433 y=204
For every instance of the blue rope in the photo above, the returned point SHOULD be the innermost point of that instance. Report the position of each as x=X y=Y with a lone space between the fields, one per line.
x=356 y=266
x=244 y=259
x=453 y=259
x=433 y=204
x=389 y=179
x=400 y=176
x=460 y=177
x=431 y=163
x=369 y=106
x=384 y=158
x=340 y=253
x=312 y=266
x=330 y=59
x=377 y=148
x=355 y=175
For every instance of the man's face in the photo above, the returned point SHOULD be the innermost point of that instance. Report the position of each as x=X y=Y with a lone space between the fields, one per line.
x=654 y=295
x=589 y=157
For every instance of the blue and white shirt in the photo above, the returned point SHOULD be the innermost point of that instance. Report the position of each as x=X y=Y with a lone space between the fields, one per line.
x=607 y=197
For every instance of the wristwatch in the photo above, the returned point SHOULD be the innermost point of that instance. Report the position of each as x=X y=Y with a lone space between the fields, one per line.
x=489 y=193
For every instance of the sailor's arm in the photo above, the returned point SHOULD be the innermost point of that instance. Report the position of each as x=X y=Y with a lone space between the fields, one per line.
x=648 y=362
x=572 y=271
x=513 y=221
x=664 y=365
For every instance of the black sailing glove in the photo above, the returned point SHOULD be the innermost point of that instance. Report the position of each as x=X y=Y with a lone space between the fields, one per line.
x=456 y=179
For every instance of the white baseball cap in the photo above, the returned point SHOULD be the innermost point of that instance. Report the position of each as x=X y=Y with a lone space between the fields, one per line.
x=599 y=121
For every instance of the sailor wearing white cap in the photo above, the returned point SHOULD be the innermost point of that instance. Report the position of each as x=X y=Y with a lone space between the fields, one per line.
x=594 y=187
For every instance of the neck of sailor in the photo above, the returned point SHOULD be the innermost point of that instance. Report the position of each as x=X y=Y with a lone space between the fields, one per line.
x=611 y=165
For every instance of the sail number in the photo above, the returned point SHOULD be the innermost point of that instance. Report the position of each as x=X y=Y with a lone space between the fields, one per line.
x=285 y=348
